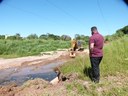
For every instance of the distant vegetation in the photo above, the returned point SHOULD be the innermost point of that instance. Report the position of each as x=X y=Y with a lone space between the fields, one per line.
x=17 y=46
x=119 y=33
x=47 y=36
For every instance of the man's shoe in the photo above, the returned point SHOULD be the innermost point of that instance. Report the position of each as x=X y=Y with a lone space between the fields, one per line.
x=96 y=81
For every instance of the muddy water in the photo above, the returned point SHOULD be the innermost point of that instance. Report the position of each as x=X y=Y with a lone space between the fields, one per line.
x=19 y=75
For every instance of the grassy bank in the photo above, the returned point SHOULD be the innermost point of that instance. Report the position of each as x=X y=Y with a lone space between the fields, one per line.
x=19 y=48
x=114 y=71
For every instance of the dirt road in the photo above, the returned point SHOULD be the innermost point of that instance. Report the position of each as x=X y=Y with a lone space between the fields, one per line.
x=32 y=60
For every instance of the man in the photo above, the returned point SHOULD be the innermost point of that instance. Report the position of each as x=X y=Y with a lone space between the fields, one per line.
x=96 y=53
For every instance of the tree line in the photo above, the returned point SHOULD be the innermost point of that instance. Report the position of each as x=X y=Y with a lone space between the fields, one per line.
x=119 y=33
x=47 y=36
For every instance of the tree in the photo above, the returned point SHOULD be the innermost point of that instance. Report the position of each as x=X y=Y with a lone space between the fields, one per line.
x=54 y=37
x=108 y=38
x=32 y=36
x=86 y=39
x=125 y=30
x=119 y=33
x=65 y=38
x=43 y=36
x=18 y=37
x=11 y=37
x=82 y=37
x=2 y=36
x=77 y=36
x=57 y=37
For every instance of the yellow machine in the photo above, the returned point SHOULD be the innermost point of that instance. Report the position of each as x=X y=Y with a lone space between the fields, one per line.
x=72 y=54
x=74 y=47
x=74 y=44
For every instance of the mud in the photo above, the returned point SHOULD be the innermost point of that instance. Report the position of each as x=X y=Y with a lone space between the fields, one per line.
x=19 y=75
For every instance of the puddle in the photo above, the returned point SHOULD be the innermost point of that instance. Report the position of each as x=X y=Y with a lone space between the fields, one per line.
x=19 y=75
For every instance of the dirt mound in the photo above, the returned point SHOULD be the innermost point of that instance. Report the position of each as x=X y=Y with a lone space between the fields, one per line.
x=29 y=86
x=8 y=90
x=40 y=82
x=36 y=87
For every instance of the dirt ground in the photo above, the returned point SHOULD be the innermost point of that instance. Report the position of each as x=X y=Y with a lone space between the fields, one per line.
x=34 y=60
x=36 y=87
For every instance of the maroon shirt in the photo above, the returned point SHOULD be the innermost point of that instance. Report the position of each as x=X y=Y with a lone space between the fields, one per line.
x=98 y=41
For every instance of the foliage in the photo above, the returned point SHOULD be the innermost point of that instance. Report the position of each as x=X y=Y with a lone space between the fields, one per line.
x=82 y=37
x=47 y=36
x=17 y=48
x=2 y=36
x=65 y=37
x=43 y=36
x=32 y=36
x=55 y=37
x=119 y=33
x=13 y=37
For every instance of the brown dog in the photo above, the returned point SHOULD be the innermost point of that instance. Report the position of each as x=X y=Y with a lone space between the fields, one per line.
x=60 y=76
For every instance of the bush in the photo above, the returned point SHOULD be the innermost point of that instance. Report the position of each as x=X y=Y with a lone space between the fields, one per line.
x=18 y=48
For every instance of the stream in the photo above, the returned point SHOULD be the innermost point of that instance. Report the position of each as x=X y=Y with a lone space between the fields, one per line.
x=19 y=75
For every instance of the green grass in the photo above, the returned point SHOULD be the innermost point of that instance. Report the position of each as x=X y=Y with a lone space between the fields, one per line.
x=19 y=48
x=115 y=55
x=77 y=88
x=75 y=66
x=114 y=65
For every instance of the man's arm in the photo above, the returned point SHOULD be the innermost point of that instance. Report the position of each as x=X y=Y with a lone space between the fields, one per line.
x=91 y=47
